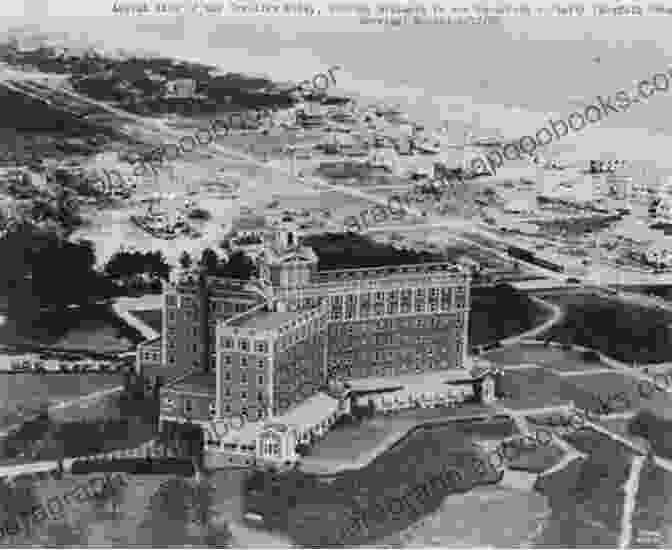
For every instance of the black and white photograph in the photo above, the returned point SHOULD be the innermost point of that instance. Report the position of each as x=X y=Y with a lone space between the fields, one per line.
x=331 y=274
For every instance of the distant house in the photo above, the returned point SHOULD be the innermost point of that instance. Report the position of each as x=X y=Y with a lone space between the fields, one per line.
x=658 y=257
x=182 y=88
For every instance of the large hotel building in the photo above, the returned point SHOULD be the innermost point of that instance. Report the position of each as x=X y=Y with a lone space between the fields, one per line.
x=267 y=350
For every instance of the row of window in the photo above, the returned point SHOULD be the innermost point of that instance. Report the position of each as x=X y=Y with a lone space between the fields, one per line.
x=356 y=329
x=243 y=361
x=151 y=356
x=243 y=394
x=391 y=308
x=395 y=339
x=243 y=378
x=392 y=355
x=359 y=371
x=193 y=314
x=188 y=407
x=398 y=294
x=227 y=342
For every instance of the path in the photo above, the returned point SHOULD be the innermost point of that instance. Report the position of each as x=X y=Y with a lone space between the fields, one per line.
x=556 y=317
x=518 y=416
x=85 y=398
x=565 y=374
x=124 y=308
x=631 y=487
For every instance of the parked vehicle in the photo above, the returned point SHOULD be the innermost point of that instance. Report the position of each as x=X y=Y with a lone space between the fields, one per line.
x=21 y=365
x=52 y=366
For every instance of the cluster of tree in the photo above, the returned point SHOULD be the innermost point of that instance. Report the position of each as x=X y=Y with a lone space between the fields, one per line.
x=351 y=250
x=43 y=270
x=63 y=210
x=137 y=269
x=238 y=265
x=174 y=507
x=627 y=332
x=499 y=312
x=17 y=501
x=200 y=214
x=20 y=504
x=24 y=441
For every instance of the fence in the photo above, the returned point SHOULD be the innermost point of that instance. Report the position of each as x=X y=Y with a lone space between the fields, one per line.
x=152 y=449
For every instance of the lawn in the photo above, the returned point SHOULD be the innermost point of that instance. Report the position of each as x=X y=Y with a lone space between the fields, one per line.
x=587 y=496
x=537 y=460
x=533 y=388
x=653 y=509
x=315 y=510
x=499 y=312
x=351 y=443
x=487 y=517
x=618 y=392
x=624 y=331
x=151 y=317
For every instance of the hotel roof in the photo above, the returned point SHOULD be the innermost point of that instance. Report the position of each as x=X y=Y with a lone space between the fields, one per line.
x=418 y=383
x=312 y=411
x=265 y=320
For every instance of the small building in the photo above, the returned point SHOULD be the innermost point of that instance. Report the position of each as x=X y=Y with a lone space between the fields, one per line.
x=181 y=88
x=148 y=355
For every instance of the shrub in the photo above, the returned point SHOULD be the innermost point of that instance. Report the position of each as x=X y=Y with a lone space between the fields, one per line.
x=199 y=214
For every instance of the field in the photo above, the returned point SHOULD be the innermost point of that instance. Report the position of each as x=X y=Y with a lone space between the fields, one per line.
x=352 y=443
x=151 y=317
x=586 y=497
x=626 y=332
x=537 y=387
x=487 y=517
x=653 y=512
x=500 y=312
x=315 y=512
x=607 y=386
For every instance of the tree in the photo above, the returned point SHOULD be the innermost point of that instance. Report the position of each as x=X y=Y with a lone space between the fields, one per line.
x=209 y=261
x=168 y=515
x=129 y=267
x=65 y=535
x=203 y=513
x=112 y=492
x=17 y=501
x=202 y=506
x=239 y=266
x=185 y=260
